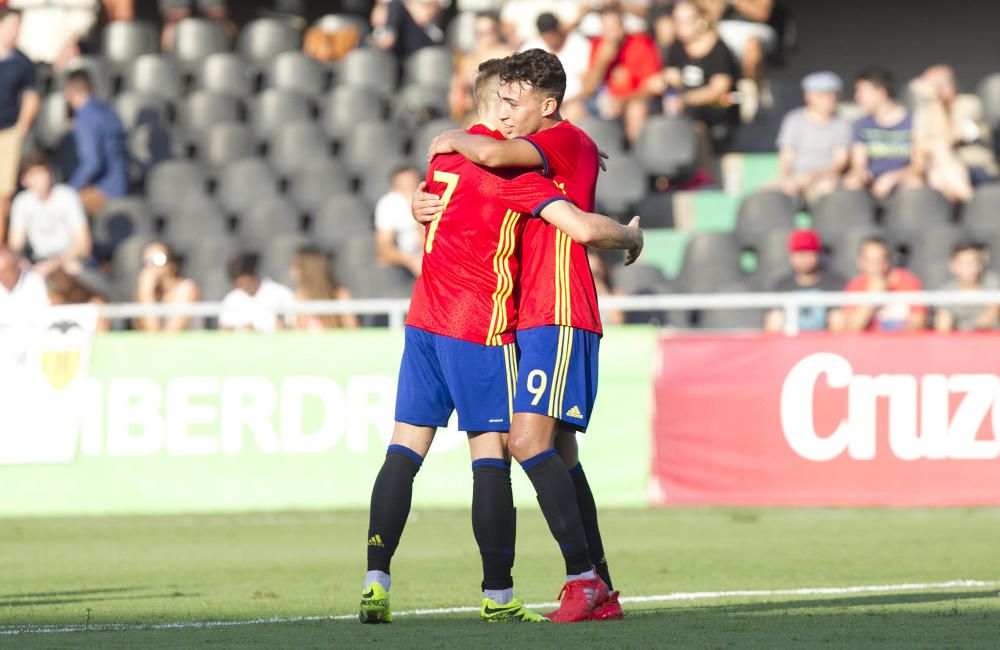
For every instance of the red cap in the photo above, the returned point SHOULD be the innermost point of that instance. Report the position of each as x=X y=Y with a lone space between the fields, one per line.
x=805 y=239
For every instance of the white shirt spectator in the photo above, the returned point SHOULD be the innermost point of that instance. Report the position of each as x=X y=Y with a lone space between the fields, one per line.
x=240 y=310
x=50 y=225
x=392 y=212
x=523 y=14
x=49 y=25
x=575 y=57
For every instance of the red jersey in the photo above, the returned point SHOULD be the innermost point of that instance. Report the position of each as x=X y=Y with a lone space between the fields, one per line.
x=557 y=287
x=637 y=60
x=466 y=287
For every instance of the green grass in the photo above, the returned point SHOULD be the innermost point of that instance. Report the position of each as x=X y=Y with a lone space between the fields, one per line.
x=241 y=567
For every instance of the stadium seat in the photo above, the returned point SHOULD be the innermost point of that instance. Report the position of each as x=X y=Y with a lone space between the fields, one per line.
x=296 y=72
x=369 y=68
x=761 y=213
x=845 y=244
x=657 y=210
x=431 y=67
x=266 y=218
x=202 y=109
x=195 y=219
x=421 y=141
x=461 y=34
x=317 y=180
x=731 y=319
x=711 y=261
x=134 y=109
x=771 y=249
x=265 y=38
x=641 y=280
x=155 y=74
x=295 y=144
x=97 y=69
x=341 y=217
x=929 y=254
x=667 y=146
x=171 y=182
x=119 y=220
x=908 y=212
x=197 y=38
x=371 y=143
x=622 y=186
x=272 y=108
x=981 y=215
x=609 y=135
x=123 y=41
x=277 y=256
x=227 y=142
x=126 y=261
x=842 y=209
x=377 y=180
x=241 y=183
x=414 y=106
x=205 y=261
x=346 y=106
x=52 y=123
x=225 y=73
x=989 y=91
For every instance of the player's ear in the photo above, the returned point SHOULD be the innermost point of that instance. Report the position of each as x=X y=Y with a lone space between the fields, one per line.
x=549 y=106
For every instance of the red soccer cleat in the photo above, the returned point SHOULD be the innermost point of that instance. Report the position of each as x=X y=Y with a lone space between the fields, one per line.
x=609 y=610
x=578 y=599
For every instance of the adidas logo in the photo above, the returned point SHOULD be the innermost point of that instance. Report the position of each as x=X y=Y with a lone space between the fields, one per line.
x=574 y=413
x=376 y=540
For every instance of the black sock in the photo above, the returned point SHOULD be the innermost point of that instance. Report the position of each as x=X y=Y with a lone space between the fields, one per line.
x=390 y=507
x=493 y=521
x=557 y=498
x=588 y=514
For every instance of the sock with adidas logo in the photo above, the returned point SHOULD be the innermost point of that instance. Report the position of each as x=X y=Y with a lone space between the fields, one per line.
x=391 y=496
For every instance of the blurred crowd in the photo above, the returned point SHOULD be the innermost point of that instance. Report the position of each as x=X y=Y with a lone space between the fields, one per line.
x=704 y=61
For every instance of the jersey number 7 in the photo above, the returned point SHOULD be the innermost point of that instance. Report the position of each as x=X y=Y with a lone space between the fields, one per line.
x=451 y=182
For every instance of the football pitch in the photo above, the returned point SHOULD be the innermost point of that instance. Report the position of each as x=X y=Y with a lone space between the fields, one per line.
x=691 y=579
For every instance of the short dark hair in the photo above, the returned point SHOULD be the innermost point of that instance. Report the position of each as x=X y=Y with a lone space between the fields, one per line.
x=547 y=23
x=878 y=240
x=242 y=264
x=610 y=8
x=488 y=70
x=966 y=245
x=880 y=78
x=34 y=159
x=492 y=15
x=539 y=69
x=9 y=11
x=80 y=78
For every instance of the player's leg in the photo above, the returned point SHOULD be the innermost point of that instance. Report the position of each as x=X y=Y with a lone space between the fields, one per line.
x=546 y=377
x=422 y=405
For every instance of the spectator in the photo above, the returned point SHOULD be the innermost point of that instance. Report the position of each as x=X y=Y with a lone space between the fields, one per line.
x=119 y=10
x=161 y=283
x=21 y=290
x=398 y=240
x=314 y=280
x=808 y=274
x=256 y=303
x=174 y=11
x=882 y=154
x=19 y=103
x=620 y=63
x=968 y=275
x=573 y=50
x=661 y=26
x=67 y=289
x=50 y=219
x=952 y=135
x=405 y=26
x=814 y=141
x=519 y=18
x=54 y=29
x=102 y=173
x=602 y=283
x=489 y=45
x=699 y=79
x=878 y=276
x=742 y=26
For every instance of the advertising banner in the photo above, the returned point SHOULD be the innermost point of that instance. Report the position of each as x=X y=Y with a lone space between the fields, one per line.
x=212 y=422
x=867 y=420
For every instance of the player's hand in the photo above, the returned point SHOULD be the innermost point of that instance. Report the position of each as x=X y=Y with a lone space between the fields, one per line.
x=602 y=160
x=425 y=207
x=632 y=254
x=442 y=144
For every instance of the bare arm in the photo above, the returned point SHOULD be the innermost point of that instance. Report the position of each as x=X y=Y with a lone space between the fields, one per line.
x=988 y=318
x=756 y=10
x=486 y=151
x=718 y=86
x=17 y=240
x=350 y=321
x=31 y=101
x=389 y=254
x=786 y=161
x=82 y=245
x=859 y=318
x=188 y=293
x=597 y=230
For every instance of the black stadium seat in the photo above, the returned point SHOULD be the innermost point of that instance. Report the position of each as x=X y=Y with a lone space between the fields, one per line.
x=266 y=218
x=762 y=212
x=227 y=142
x=265 y=38
x=711 y=261
x=369 y=68
x=225 y=73
x=667 y=146
x=272 y=108
x=845 y=245
x=929 y=254
x=201 y=110
x=909 y=212
x=622 y=186
x=296 y=72
x=371 y=143
x=172 y=182
x=989 y=91
x=278 y=254
x=197 y=38
x=431 y=67
x=241 y=183
x=341 y=217
x=157 y=75
x=657 y=210
x=842 y=209
x=295 y=144
x=345 y=106
x=195 y=219
x=772 y=259
x=731 y=319
x=414 y=106
x=609 y=135
x=316 y=180
x=123 y=41
x=981 y=215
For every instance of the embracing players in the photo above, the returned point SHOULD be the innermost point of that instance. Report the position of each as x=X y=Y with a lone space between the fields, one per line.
x=459 y=352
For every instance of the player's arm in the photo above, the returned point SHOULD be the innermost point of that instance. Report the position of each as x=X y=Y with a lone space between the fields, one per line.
x=425 y=207
x=596 y=230
x=487 y=151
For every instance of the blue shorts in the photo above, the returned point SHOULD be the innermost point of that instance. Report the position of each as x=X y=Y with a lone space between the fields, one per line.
x=440 y=374
x=557 y=373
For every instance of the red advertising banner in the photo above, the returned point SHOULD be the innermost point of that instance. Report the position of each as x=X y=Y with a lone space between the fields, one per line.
x=865 y=420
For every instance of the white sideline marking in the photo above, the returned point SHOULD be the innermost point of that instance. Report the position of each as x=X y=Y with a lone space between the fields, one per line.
x=9 y=630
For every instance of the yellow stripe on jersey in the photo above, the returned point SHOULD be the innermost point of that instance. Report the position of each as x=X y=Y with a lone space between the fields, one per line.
x=560 y=372
x=563 y=312
x=505 y=280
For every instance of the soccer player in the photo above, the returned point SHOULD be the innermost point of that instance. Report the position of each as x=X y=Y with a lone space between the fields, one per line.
x=559 y=325
x=460 y=354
